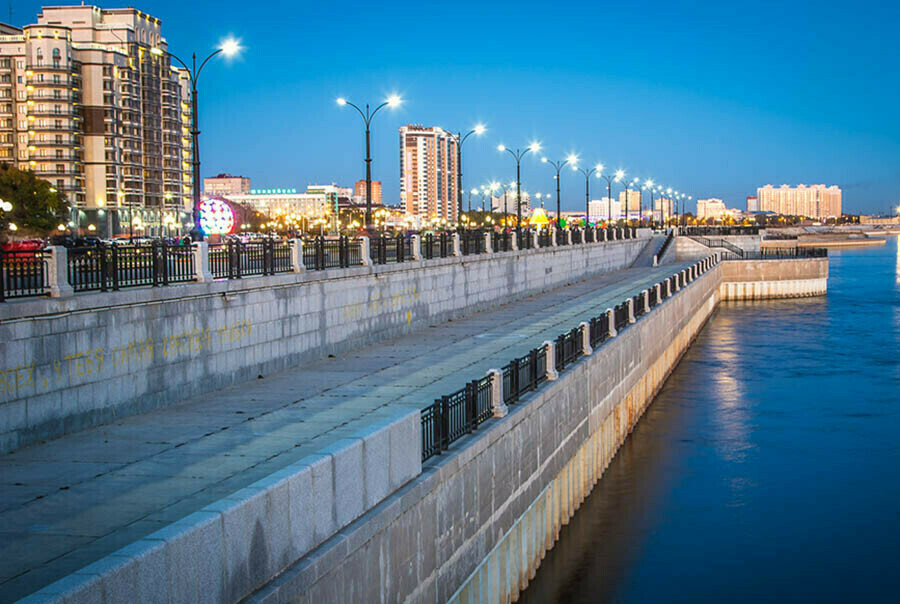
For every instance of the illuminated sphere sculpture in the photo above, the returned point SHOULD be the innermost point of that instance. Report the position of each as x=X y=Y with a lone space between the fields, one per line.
x=216 y=217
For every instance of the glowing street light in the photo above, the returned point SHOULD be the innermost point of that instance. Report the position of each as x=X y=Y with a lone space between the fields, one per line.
x=571 y=158
x=229 y=48
x=534 y=147
x=478 y=130
x=392 y=101
x=587 y=188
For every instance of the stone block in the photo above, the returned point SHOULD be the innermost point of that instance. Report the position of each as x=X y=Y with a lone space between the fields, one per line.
x=376 y=463
x=195 y=558
x=302 y=512
x=148 y=557
x=406 y=449
x=347 y=456
x=323 y=496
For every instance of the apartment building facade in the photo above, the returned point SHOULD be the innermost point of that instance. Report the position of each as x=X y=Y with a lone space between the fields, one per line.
x=89 y=103
x=813 y=201
x=428 y=172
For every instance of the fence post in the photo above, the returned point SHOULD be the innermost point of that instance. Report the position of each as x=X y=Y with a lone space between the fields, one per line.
x=586 y=349
x=297 y=265
x=488 y=246
x=553 y=236
x=631 y=318
x=550 y=347
x=514 y=241
x=416 y=245
x=658 y=293
x=646 y=300
x=611 y=320
x=455 y=241
x=676 y=280
x=200 y=250
x=534 y=239
x=364 y=256
x=57 y=272
x=569 y=236
x=497 y=405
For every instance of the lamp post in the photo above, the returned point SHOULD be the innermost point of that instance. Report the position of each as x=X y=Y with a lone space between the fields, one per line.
x=609 y=180
x=558 y=166
x=228 y=48
x=460 y=139
x=518 y=155
x=620 y=177
x=587 y=189
x=367 y=116
x=471 y=192
x=649 y=184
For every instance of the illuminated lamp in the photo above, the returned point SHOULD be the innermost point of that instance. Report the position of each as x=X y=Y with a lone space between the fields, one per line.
x=216 y=217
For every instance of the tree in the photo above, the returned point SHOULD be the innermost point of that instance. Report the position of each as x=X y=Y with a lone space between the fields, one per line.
x=37 y=208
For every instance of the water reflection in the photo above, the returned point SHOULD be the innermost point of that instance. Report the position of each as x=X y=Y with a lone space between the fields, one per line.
x=767 y=468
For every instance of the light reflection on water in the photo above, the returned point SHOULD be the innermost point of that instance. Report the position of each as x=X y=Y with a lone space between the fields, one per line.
x=768 y=468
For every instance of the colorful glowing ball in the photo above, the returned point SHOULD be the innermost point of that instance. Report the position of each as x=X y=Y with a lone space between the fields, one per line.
x=216 y=217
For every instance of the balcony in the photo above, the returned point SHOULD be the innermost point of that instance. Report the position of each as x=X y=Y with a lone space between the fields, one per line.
x=62 y=128
x=64 y=143
x=50 y=113
x=51 y=84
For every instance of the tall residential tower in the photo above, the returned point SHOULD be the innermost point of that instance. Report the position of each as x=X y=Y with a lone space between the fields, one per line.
x=428 y=172
x=87 y=104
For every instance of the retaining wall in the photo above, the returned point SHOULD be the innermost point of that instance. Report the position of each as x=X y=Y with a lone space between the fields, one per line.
x=475 y=524
x=763 y=279
x=77 y=362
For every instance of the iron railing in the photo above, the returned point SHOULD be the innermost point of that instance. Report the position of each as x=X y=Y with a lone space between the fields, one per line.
x=384 y=249
x=104 y=268
x=436 y=246
x=453 y=416
x=236 y=259
x=544 y=238
x=472 y=242
x=721 y=231
x=502 y=242
x=321 y=254
x=665 y=246
x=787 y=253
x=524 y=374
x=23 y=273
x=568 y=348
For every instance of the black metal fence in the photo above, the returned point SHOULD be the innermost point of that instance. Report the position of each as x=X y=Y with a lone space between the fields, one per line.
x=436 y=246
x=23 y=273
x=384 y=249
x=321 y=253
x=665 y=246
x=104 y=268
x=787 y=253
x=453 y=416
x=236 y=259
x=544 y=239
x=502 y=242
x=524 y=374
x=472 y=242
x=720 y=231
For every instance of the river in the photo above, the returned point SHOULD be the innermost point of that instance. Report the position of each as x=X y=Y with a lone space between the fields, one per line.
x=768 y=467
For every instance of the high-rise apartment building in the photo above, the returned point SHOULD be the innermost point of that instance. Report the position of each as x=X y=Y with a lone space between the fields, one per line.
x=710 y=208
x=226 y=184
x=359 y=191
x=90 y=104
x=634 y=202
x=428 y=172
x=815 y=201
x=752 y=203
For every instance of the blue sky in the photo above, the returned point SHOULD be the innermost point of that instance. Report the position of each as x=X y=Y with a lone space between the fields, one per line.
x=712 y=98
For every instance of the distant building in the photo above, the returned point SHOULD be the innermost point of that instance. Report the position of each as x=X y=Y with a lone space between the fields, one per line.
x=604 y=209
x=710 y=208
x=497 y=204
x=428 y=172
x=359 y=191
x=664 y=208
x=226 y=184
x=814 y=201
x=634 y=202
x=752 y=204
x=316 y=202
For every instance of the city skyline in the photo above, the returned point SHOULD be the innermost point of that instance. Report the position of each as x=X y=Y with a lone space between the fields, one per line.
x=716 y=134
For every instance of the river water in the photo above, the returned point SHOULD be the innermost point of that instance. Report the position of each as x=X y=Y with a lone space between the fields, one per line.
x=768 y=467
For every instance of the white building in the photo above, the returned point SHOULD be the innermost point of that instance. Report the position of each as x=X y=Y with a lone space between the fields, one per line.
x=316 y=202
x=602 y=209
x=710 y=208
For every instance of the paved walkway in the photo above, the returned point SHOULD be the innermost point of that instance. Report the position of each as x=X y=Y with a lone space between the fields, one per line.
x=71 y=501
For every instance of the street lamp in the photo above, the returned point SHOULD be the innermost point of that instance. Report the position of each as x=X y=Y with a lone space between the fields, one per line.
x=587 y=189
x=229 y=48
x=518 y=155
x=571 y=158
x=609 y=180
x=620 y=177
x=471 y=192
x=392 y=101
x=478 y=130
x=649 y=184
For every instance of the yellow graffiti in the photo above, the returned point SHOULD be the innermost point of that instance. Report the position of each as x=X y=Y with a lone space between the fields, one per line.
x=75 y=368
x=378 y=304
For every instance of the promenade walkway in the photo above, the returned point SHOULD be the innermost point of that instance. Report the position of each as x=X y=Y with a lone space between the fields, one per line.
x=69 y=502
